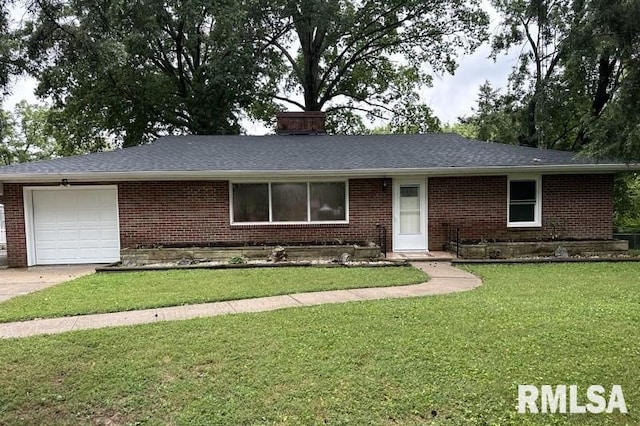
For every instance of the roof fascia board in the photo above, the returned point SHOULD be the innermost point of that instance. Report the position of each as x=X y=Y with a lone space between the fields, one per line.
x=233 y=174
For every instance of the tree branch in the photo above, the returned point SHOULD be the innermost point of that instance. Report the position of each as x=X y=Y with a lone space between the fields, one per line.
x=282 y=98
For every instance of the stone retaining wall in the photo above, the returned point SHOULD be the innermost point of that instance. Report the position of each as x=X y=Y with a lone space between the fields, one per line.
x=224 y=254
x=507 y=250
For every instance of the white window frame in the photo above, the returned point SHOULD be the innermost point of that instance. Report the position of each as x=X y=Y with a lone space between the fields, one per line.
x=304 y=222
x=537 y=222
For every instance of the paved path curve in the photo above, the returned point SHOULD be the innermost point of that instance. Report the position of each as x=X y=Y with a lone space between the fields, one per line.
x=444 y=279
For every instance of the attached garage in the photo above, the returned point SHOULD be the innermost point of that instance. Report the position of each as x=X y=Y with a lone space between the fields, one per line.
x=67 y=225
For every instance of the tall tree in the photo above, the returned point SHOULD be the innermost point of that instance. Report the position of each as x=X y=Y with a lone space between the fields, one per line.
x=7 y=128
x=542 y=27
x=364 y=55
x=142 y=68
x=577 y=72
x=609 y=40
x=10 y=62
x=26 y=134
x=495 y=118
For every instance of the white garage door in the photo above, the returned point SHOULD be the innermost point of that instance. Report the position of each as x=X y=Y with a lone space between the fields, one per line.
x=75 y=225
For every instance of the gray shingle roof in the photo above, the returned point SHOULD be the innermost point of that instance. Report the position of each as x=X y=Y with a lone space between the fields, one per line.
x=303 y=153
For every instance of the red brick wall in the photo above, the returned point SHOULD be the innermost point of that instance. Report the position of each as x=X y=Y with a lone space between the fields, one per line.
x=198 y=212
x=14 y=222
x=301 y=122
x=573 y=206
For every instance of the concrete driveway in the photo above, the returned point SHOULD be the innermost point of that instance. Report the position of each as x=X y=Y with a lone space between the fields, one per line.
x=17 y=281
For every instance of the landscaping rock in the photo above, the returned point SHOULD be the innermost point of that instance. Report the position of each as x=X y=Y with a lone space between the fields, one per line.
x=128 y=263
x=344 y=258
x=494 y=253
x=561 y=252
x=278 y=254
x=184 y=262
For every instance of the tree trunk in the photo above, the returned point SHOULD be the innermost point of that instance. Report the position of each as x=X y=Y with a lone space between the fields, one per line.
x=531 y=138
x=311 y=43
x=606 y=67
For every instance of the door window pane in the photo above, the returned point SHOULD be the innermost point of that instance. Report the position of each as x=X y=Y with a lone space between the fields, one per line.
x=328 y=201
x=289 y=202
x=410 y=222
x=250 y=202
x=410 y=209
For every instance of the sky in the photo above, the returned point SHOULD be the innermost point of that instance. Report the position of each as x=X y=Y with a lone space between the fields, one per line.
x=450 y=97
x=453 y=96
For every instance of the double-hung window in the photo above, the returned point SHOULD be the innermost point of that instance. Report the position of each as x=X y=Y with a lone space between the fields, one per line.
x=289 y=202
x=524 y=201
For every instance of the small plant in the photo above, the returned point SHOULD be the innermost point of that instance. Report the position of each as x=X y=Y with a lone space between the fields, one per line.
x=238 y=260
x=554 y=224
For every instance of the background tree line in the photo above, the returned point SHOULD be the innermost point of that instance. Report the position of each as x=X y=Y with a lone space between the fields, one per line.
x=120 y=73
x=135 y=70
x=576 y=86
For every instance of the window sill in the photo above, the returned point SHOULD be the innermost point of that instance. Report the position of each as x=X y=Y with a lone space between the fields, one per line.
x=254 y=225
x=520 y=225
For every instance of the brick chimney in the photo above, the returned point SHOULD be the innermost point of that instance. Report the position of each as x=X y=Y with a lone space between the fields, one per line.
x=301 y=123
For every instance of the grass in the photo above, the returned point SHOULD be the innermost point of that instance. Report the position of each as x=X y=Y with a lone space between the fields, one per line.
x=445 y=360
x=99 y=293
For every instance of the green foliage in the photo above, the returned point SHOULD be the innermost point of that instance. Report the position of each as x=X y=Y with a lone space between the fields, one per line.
x=345 y=121
x=443 y=360
x=413 y=118
x=139 y=290
x=576 y=84
x=495 y=118
x=10 y=61
x=143 y=68
x=130 y=71
x=627 y=202
x=7 y=129
x=468 y=130
x=37 y=132
x=344 y=54
x=237 y=260
x=25 y=134
x=74 y=135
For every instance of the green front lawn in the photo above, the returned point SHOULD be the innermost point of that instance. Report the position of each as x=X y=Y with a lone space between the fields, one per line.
x=138 y=290
x=454 y=359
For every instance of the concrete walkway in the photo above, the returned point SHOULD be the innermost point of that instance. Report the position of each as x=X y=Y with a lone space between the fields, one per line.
x=444 y=279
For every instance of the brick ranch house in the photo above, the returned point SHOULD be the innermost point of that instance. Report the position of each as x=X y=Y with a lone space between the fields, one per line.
x=298 y=189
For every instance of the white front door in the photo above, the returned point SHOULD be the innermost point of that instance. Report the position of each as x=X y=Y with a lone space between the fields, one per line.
x=409 y=215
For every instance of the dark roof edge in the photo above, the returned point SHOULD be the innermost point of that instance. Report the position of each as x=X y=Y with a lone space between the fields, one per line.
x=363 y=173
